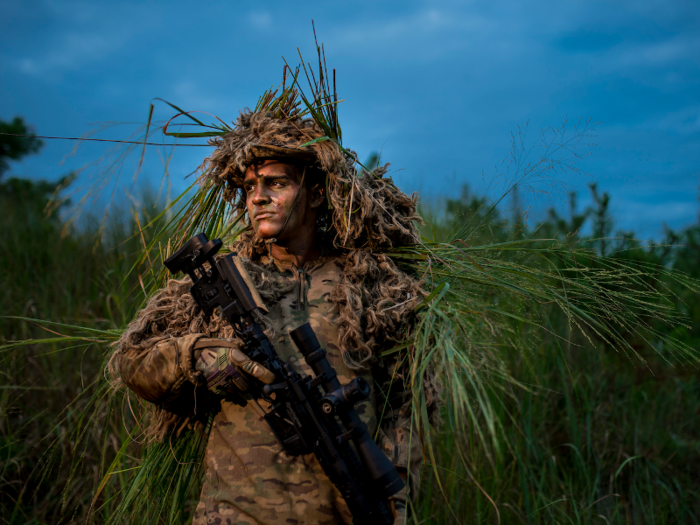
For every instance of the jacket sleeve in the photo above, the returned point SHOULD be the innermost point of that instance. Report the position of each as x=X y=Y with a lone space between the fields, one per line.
x=400 y=440
x=398 y=435
x=158 y=373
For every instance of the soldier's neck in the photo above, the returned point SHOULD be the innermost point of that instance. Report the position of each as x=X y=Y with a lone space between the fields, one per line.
x=299 y=250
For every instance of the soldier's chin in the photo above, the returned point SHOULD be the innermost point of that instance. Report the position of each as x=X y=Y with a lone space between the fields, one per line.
x=266 y=231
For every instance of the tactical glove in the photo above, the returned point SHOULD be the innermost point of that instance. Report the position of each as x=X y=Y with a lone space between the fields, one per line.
x=158 y=373
x=222 y=363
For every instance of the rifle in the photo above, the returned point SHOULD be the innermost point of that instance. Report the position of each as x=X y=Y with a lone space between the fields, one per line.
x=307 y=415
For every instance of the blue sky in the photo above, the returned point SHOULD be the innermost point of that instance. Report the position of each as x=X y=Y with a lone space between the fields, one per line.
x=437 y=86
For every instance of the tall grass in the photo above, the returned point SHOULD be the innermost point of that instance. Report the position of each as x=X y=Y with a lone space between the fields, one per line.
x=592 y=433
x=587 y=436
x=593 y=438
x=75 y=278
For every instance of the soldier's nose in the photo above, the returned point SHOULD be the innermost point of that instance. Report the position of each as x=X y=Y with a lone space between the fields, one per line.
x=259 y=197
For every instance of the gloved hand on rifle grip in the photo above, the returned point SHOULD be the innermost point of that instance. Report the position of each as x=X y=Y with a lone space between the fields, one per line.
x=224 y=365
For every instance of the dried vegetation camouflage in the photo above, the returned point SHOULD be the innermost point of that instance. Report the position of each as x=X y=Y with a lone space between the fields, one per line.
x=365 y=215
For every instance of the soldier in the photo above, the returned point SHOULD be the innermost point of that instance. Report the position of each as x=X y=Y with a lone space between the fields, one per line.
x=314 y=248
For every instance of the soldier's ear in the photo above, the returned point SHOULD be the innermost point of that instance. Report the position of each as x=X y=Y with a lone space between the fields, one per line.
x=318 y=195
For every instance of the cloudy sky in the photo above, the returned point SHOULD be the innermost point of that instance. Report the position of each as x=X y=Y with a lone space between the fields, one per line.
x=436 y=86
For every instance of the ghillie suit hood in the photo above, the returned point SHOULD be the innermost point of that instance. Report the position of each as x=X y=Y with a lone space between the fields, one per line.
x=365 y=214
x=364 y=208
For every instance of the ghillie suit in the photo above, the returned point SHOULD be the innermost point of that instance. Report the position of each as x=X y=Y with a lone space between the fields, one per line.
x=375 y=299
x=371 y=304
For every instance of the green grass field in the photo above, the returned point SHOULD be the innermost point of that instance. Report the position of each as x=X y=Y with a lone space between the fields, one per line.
x=590 y=435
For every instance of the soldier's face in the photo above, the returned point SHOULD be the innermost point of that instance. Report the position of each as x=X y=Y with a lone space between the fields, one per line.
x=271 y=189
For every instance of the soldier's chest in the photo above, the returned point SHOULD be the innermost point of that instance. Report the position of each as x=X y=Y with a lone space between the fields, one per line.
x=308 y=300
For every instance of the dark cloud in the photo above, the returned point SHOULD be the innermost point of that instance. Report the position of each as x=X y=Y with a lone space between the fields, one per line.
x=437 y=85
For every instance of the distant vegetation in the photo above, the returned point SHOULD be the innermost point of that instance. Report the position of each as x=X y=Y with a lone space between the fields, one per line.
x=591 y=437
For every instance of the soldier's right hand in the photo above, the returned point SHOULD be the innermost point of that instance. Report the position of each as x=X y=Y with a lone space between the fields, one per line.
x=225 y=366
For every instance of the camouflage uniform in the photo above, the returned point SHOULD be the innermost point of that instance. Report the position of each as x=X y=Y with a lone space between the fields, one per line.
x=248 y=477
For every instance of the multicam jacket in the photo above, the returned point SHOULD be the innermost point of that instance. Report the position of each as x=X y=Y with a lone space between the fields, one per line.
x=248 y=477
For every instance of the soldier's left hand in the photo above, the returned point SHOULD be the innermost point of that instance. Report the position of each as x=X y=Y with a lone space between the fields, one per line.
x=225 y=366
